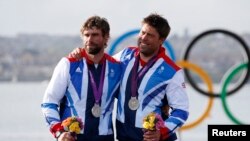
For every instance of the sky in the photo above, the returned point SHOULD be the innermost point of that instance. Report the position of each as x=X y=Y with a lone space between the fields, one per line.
x=65 y=17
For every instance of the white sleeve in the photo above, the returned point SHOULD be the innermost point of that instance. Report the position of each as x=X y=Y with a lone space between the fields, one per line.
x=176 y=92
x=58 y=83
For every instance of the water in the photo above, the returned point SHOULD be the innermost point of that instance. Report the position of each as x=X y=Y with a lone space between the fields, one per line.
x=21 y=118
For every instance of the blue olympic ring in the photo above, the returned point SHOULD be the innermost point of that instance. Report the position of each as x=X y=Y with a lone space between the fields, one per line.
x=113 y=46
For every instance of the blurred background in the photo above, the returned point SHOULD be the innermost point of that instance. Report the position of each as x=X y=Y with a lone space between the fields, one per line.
x=36 y=34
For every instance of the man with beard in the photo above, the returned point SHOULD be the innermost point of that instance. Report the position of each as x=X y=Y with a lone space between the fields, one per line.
x=150 y=80
x=84 y=88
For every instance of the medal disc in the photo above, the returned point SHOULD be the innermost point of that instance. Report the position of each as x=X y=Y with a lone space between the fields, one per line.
x=96 y=110
x=133 y=103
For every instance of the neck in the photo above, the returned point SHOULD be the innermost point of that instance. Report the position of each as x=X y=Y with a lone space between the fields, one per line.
x=96 y=58
x=146 y=58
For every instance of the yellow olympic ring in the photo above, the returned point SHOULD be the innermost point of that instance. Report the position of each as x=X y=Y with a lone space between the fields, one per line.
x=205 y=77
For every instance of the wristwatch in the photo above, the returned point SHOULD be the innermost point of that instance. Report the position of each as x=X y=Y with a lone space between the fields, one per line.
x=58 y=134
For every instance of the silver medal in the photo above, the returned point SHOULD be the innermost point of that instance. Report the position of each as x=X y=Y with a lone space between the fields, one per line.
x=133 y=103
x=96 y=110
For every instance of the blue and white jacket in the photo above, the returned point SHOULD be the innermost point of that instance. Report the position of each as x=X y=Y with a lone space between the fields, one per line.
x=163 y=84
x=68 y=95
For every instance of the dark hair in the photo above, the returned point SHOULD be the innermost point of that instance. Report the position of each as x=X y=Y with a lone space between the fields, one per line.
x=159 y=23
x=99 y=23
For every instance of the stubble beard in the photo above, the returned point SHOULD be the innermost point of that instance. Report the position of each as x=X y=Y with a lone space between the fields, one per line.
x=93 y=49
x=144 y=49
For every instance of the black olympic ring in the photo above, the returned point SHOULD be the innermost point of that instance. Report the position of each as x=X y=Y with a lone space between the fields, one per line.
x=233 y=35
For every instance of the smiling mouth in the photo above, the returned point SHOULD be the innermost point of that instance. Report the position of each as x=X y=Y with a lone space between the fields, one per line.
x=144 y=44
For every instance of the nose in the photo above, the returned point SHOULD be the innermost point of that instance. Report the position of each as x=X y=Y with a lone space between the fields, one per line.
x=90 y=37
x=88 y=40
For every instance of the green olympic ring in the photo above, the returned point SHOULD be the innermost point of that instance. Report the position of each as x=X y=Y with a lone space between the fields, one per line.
x=224 y=93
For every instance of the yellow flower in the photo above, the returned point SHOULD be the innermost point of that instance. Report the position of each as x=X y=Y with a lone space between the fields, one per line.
x=151 y=126
x=74 y=127
x=151 y=118
x=149 y=122
x=152 y=121
x=146 y=125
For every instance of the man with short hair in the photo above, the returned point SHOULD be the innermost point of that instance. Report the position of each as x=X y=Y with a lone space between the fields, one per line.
x=150 y=80
x=84 y=88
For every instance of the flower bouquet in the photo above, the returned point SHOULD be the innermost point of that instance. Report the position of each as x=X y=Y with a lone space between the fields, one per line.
x=74 y=125
x=153 y=121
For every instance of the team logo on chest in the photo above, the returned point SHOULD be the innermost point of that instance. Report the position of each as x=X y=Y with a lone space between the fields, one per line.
x=112 y=73
x=160 y=70
x=78 y=70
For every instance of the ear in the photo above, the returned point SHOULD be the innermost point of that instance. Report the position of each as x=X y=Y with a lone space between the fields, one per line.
x=106 y=38
x=162 y=40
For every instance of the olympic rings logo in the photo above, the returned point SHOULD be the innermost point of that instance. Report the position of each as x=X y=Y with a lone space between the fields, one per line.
x=188 y=66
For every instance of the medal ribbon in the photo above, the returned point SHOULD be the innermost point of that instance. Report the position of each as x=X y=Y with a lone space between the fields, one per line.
x=98 y=91
x=138 y=75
